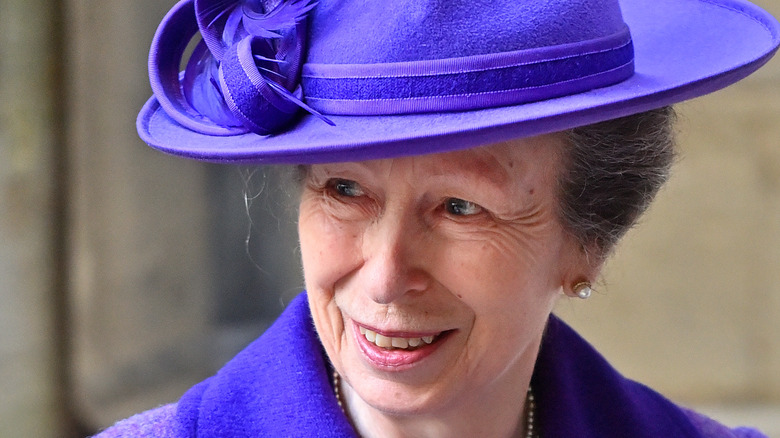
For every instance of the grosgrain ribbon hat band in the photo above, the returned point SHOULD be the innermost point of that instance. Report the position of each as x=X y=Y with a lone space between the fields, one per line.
x=469 y=83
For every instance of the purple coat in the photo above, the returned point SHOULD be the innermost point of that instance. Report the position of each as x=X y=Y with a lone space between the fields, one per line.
x=280 y=386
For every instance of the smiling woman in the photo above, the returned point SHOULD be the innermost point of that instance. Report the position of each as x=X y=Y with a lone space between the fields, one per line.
x=452 y=193
x=451 y=250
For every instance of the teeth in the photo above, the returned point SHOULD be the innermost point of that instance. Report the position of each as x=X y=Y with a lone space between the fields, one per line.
x=383 y=341
x=391 y=343
x=400 y=343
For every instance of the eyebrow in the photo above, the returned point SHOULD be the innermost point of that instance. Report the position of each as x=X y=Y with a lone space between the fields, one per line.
x=482 y=166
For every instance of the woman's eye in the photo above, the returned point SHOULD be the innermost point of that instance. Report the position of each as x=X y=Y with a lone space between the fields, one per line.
x=347 y=188
x=459 y=207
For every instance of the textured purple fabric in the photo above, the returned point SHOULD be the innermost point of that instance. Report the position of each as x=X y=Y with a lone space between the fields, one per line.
x=711 y=428
x=365 y=32
x=156 y=423
x=253 y=54
x=475 y=82
x=580 y=394
x=683 y=49
x=249 y=94
x=280 y=387
x=165 y=54
x=251 y=65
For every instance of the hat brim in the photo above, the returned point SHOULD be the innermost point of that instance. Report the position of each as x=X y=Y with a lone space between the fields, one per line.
x=683 y=49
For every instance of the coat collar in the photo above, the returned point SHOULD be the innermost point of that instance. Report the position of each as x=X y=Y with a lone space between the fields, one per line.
x=278 y=386
x=579 y=394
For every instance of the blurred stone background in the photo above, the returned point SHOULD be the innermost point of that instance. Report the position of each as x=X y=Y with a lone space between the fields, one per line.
x=125 y=275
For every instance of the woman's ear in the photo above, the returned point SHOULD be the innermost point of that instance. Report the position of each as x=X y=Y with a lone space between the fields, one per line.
x=584 y=269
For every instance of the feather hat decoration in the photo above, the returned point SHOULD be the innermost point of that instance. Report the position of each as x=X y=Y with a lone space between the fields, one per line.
x=244 y=75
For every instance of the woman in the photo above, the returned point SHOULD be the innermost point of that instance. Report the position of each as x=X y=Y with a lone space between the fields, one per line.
x=463 y=166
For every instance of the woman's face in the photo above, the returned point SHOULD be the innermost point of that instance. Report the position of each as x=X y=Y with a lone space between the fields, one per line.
x=430 y=278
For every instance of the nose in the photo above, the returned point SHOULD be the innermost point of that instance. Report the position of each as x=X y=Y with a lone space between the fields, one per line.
x=394 y=263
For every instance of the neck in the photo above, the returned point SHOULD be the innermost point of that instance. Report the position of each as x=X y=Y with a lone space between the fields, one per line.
x=500 y=416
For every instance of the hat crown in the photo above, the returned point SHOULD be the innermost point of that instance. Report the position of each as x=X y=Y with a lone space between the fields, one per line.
x=365 y=32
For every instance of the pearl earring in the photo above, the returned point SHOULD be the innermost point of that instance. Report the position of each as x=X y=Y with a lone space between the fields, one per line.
x=583 y=290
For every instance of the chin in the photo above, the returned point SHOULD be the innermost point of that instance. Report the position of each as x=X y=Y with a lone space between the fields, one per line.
x=398 y=399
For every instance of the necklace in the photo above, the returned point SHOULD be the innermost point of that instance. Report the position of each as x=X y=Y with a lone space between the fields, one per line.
x=530 y=407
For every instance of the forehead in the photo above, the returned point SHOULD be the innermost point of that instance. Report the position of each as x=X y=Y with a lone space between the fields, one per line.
x=500 y=164
x=515 y=167
x=506 y=165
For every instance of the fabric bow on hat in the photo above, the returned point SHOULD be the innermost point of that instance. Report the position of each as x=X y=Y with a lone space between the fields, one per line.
x=244 y=75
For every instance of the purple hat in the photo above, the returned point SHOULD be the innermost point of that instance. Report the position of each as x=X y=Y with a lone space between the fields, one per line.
x=294 y=81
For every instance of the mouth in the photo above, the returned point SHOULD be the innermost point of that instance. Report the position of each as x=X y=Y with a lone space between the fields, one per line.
x=398 y=351
x=397 y=343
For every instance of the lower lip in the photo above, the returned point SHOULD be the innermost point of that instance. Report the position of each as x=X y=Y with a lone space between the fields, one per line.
x=397 y=359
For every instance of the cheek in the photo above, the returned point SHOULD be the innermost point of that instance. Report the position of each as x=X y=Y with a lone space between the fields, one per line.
x=328 y=253
x=329 y=248
x=511 y=294
x=489 y=271
x=503 y=280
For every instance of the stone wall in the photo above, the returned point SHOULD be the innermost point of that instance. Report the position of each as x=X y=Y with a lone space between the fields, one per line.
x=28 y=148
x=158 y=263
x=140 y=281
